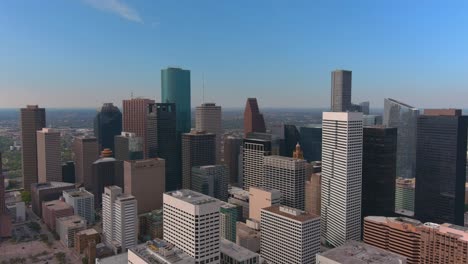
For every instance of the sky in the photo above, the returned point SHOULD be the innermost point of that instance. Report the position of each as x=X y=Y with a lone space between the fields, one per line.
x=82 y=53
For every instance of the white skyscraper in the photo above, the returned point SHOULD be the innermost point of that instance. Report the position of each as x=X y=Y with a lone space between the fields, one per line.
x=341 y=177
x=208 y=118
x=289 y=235
x=191 y=223
x=288 y=175
x=120 y=222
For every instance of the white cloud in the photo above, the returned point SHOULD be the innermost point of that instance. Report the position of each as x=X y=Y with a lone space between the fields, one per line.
x=117 y=7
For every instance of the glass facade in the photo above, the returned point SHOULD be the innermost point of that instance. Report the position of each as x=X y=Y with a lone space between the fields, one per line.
x=107 y=125
x=175 y=88
x=311 y=142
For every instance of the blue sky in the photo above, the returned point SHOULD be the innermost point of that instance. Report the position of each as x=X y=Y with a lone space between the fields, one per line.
x=81 y=53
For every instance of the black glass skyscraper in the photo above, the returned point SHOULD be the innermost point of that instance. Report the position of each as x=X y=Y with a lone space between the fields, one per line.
x=107 y=125
x=311 y=142
x=291 y=138
x=441 y=166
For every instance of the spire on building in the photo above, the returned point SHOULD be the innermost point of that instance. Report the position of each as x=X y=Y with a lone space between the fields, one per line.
x=298 y=153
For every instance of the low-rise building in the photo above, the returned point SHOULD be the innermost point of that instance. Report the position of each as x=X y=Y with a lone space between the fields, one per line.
x=232 y=253
x=53 y=210
x=158 y=251
x=248 y=235
x=116 y=259
x=82 y=202
x=15 y=206
x=240 y=197
x=84 y=237
x=67 y=227
x=44 y=192
x=151 y=225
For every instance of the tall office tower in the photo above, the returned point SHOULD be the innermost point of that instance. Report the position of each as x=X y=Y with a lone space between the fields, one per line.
x=119 y=219
x=341 y=177
x=311 y=142
x=256 y=146
x=253 y=119
x=260 y=198
x=288 y=175
x=379 y=170
x=291 y=138
x=232 y=146
x=441 y=166
x=404 y=118
x=341 y=91
x=404 y=196
x=68 y=172
x=175 y=88
x=191 y=223
x=228 y=215
x=145 y=180
x=211 y=180
x=208 y=118
x=313 y=189
x=107 y=171
x=5 y=219
x=399 y=235
x=167 y=144
x=135 y=119
x=298 y=231
x=128 y=146
x=365 y=107
x=33 y=119
x=198 y=149
x=82 y=202
x=86 y=152
x=49 y=159
x=107 y=125
x=152 y=131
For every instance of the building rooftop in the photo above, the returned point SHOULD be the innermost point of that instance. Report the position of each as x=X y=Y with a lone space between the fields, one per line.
x=117 y=259
x=73 y=221
x=56 y=205
x=88 y=232
x=236 y=191
x=50 y=185
x=359 y=253
x=245 y=231
x=291 y=213
x=401 y=103
x=155 y=215
x=227 y=205
x=277 y=157
x=159 y=251
x=235 y=251
x=81 y=192
x=192 y=197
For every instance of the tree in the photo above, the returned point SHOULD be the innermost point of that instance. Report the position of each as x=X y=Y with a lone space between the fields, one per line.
x=34 y=226
x=26 y=197
x=60 y=257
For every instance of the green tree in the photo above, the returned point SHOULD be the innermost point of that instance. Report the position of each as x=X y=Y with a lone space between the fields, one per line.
x=34 y=226
x=26 y=197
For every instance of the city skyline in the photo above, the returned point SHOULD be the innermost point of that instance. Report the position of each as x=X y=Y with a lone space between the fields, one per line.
x=394 y=50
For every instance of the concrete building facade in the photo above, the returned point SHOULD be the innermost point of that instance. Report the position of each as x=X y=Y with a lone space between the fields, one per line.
x=49 y=160
x=341 y=81
x=86 y=150
x=208 y=118
x=260 y=198
x=211 y=180
x=198 y=149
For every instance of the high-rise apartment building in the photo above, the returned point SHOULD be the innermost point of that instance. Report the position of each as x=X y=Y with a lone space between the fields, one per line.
x=191 y=222
x=403 y=117
x=288 y=175
x=208 y=118
x=289 y=235
x=128 y=146
x=32 y=120
x=82 y=202
x=211 y=180
x=341 y=177
x=198 y=149
x=441 y=166
x=135 y=119
x=311 y=142
x=49 y=159
x=253 y=119
x=228 y=215
x=341 y=81
x=107 y=125
x=379 y=170
x=107 y=171
x=260 y=198
x=232 y=146
x=145 y=180
x=313 y=189
x=175 y=88
x=119 y=219
x=86 y=152
x=168 y=144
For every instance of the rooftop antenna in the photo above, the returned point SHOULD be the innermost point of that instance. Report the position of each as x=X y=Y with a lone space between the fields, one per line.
x=203 y=77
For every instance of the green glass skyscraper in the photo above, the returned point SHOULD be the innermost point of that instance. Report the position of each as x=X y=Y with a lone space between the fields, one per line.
x=175 y=88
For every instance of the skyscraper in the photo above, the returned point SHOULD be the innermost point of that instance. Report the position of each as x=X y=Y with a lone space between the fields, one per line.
x=107 y=171
x=288 y=175
x=341 y=91
x=33 y=119
x=107 y=124
x=198 y=149
x=341 y=177
x=152 y=131
x=289 y=235
x=120 y=221
x=135 y=119
x=49 y=160
x=208 y=118
x=191 y=222
x=167 y=149
x=175 y=88
x=441 y=166
x=403 y=117
x=291 y=138
x=311 y=142
x=145 y=180
x=365 y=107
x=86 y=152
x=128 y=146
x=232 y=146
x=211 y=180
x=5 y=219
x=379 y=171
x=253 y=119
x=313 y=189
